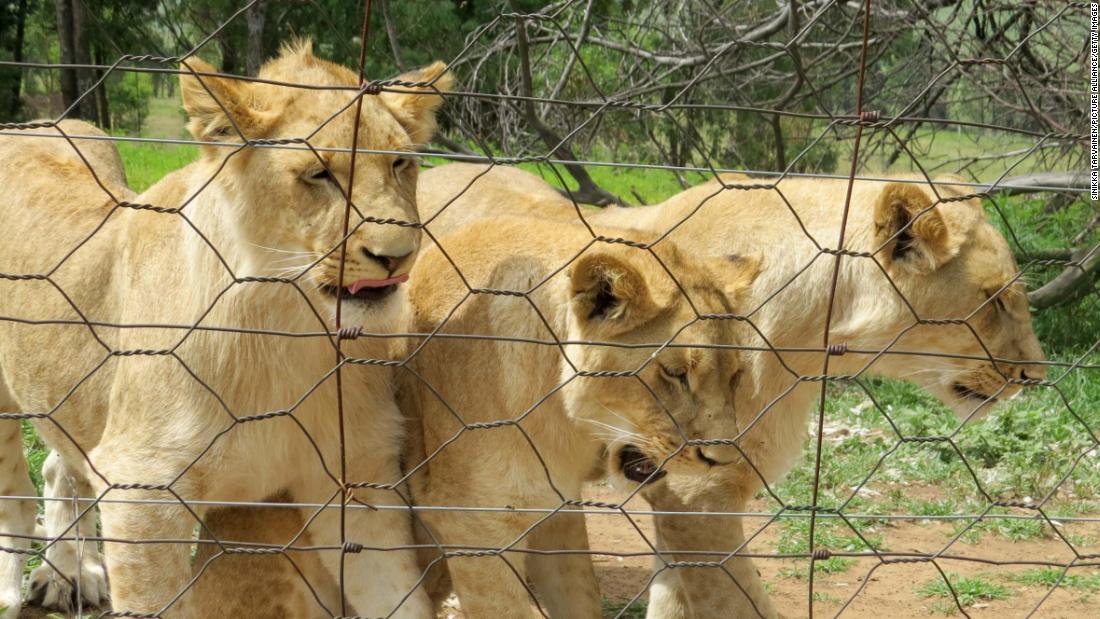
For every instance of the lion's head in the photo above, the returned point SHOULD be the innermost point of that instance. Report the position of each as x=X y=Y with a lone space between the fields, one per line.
x=286 y=193
x=645 y=398
x=954 y=271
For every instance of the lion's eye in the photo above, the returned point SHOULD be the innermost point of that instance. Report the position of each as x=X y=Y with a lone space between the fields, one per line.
x=998 y=301
x=400 y=163
x=317 y=176
x=676 y=375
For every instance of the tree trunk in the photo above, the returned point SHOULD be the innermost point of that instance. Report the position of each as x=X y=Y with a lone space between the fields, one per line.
x=254 y=53
x=587 y=191
x=69 y=87
x=73 y=43
x=103 y=111
x=391 y=34
x=13 y=77
x=82 y=53
x=230 y=61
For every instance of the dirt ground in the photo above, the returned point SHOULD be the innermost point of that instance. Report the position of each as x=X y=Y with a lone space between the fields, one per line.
x=891 y=591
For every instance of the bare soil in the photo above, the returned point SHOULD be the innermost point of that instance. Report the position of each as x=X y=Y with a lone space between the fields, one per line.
x=889 y=591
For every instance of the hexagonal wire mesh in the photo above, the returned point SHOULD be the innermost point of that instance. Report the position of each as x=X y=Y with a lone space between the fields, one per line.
x=797 y=57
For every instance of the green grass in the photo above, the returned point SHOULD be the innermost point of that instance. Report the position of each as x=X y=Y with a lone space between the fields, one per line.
x=148 y=163
x=1008 y=452
x=636 y=610
x=1014 y=529
x=829 y=533
x=36 y=454
x=166 y=119
x=970 y=591
x=1049 y=576
x=944 y=149
x=825 y=596
x=629 y=184
x=924 y=507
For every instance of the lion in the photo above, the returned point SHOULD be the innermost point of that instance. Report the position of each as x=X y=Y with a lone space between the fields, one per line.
x=282 y=585
x=522 y=425
x=518 y=425
x=102 y=173
x=97 y=170
x=924 y=272
x=915 y=250
x=218 y=410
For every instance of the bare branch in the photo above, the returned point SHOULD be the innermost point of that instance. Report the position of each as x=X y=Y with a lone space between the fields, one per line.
x=391 y=34
x=1076 y=280
x=587 y=186
x=1043 y=181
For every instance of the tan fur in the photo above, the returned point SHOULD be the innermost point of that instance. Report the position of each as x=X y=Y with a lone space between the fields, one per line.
x=483 y=382
x=566 y=420
x=93 y=172
x=948 y=278
x=955 y=260
x=155 y=419
x=286 y=585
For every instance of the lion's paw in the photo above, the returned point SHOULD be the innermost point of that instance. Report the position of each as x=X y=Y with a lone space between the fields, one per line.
x=48 y=588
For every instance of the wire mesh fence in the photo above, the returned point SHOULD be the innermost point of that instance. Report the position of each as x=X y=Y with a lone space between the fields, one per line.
x=693 y=309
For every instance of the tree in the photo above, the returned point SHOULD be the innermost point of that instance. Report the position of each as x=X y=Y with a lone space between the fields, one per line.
x=13 y=27
x=76 y=80
x=254 y=56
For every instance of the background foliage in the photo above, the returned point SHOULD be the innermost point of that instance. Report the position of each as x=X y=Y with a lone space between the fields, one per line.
x=985 y=90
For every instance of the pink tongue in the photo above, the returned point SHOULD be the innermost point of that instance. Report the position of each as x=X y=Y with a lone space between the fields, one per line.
x=355 y=287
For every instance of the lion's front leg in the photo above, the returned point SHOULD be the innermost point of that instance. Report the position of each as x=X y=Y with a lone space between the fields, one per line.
x=148 y=480
x=566 y=582
x=381 y=576
x=16 y=517
x=489 y=583
x=148 y=576
x=73 y=567
x=733 y=589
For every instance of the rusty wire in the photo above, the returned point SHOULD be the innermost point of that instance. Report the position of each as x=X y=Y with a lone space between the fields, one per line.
x=342 y=498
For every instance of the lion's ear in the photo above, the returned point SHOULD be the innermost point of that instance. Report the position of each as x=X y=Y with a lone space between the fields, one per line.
x=735 y=274
x=217 y=106
x=609 y=292
x=912 y=230
x=415 y=110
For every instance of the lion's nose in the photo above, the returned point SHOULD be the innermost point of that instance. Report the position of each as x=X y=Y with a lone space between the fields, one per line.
x=390 y=263
x=1034 y=373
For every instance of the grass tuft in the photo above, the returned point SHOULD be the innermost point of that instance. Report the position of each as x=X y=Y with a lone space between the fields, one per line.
x=969 y=591
x=1048 y=577
x=636 y=610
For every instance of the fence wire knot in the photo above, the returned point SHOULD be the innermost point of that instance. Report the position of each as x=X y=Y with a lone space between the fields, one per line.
x=349 y=333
